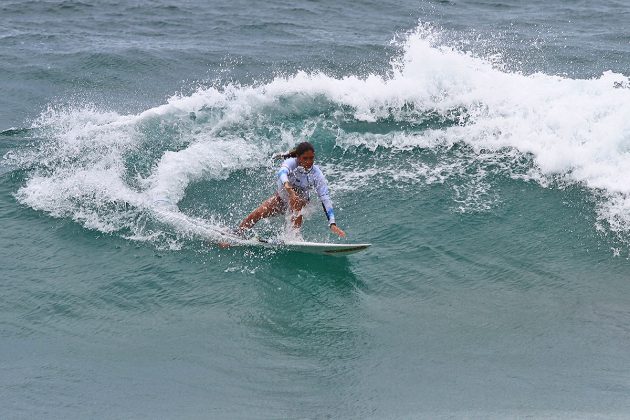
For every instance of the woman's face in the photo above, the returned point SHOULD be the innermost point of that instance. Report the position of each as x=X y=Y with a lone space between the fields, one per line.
x=306 y=159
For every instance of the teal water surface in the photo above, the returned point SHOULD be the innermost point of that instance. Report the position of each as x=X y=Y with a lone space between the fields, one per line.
x=481 y=147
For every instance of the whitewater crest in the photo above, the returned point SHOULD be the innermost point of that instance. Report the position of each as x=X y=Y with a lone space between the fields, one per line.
x=110 y=172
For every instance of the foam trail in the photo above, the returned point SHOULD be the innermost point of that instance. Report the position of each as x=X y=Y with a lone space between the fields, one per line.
x=191 y=227
x=215 y=160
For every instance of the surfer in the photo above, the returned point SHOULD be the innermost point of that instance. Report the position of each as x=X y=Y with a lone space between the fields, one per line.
x=297 y=175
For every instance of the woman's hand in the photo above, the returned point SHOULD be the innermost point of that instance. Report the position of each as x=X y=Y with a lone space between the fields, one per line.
x=294 y=200
x=337 y=230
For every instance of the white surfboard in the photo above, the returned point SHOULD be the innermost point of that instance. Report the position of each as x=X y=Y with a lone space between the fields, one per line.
x=301 y=246
x=314 y=247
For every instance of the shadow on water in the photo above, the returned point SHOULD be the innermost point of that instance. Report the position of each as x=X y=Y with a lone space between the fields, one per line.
x=304 y=272
x=305 y=317
x=291 y=286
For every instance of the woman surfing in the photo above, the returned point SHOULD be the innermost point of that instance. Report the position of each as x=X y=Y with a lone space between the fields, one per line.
x=297 y=175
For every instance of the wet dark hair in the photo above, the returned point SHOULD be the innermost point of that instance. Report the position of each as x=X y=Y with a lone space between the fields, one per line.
x=298 y=150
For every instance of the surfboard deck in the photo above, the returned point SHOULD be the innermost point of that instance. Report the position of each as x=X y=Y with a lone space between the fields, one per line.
x=226 y=238
x=320 y=248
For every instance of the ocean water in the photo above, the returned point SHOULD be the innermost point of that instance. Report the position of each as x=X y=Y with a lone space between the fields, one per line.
x=482 y=147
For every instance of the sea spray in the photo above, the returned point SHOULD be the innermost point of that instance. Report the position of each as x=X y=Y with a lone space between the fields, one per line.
x=90 y=164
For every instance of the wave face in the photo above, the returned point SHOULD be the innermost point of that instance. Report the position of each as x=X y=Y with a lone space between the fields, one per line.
x=110 y=172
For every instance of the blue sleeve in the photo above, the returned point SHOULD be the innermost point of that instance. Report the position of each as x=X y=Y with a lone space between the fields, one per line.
x=288 y=165
x=322 y=192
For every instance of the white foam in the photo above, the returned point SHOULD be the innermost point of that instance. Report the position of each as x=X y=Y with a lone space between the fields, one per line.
x=202 y=160
x=578 y=129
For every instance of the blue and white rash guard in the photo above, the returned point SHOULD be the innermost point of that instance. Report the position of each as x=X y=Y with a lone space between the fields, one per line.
x=303 y=180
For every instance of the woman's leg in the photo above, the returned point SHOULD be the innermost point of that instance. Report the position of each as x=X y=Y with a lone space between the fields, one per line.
x=273 y=206
x=270 y=207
